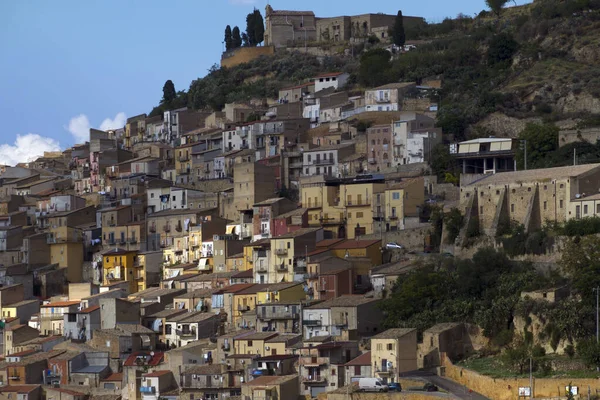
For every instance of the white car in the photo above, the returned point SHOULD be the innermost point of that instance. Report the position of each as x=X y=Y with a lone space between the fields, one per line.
x=393 y=246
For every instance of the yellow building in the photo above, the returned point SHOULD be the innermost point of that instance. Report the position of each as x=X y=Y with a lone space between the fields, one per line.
x=286 y=249
x=280 y=292
x=122 y=266
x=393 y=352
x=146 y=269
x=68 y=255
x=253 y=343
x=402 y=200
x=271 y=387
x=243 y=302
x=349 y=249
x=236 y=262
x=343 y=207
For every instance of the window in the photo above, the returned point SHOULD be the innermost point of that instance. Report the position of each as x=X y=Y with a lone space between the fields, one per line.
x=560 y=204
x=72 y=317
x=333 y=369
x=359 y=215
x=390 y=347
x=357 y=370
x=288 y=245
x=545 y=205
x=379 y=347
x=249 y=343
x=151 y=195
x=512 y=208
x=396 y=196
x=585 y=209
x=597 y=208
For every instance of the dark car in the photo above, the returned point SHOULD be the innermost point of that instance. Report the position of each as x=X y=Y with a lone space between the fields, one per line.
x=429 y=387
x=394 y=387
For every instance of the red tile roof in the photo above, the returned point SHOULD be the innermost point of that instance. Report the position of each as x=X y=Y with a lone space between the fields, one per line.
x=154 y=360
x=61 y=304
x=328 y=242
x=116 y=377
x=158 y=373
x=66 y=391
x=237 y=287
x=23 y=353
x=18 y=388
x=328 y=75
x=356 y=244
x=89 y=309
x=363 y=359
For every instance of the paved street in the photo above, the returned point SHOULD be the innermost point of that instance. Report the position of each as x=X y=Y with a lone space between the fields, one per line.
x=448 y=385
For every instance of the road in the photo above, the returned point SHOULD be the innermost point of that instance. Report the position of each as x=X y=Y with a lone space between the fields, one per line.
x=448 y=385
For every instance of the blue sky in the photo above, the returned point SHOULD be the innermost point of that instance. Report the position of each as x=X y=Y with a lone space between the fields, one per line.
x=71 y=64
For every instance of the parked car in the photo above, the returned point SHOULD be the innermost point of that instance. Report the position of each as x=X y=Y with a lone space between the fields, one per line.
x=372 y=385
x=430 y=387
x=393 y=246
x=394 y=387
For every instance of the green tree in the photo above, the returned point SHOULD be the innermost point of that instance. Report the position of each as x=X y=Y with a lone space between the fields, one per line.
x=245 y=40
x=454 y=222
x=398 y=30
x=589 y=351
x=236 y=39
x=228 y=38
x=169 y=93
x=581 y=260
x=496 y=5
x=374 y=67
x=251 y=28
x=442 y=161
x=259 y=27
x=542 y=139
x=501 y=48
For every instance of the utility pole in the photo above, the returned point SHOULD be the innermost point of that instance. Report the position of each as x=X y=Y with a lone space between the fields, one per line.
x=524 y=143
x=574 y=157
x=597 y=290
x=530 y=377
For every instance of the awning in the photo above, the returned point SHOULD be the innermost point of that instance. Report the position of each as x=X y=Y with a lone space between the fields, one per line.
x=203 y=262
x=231 y=230
x=145 y=340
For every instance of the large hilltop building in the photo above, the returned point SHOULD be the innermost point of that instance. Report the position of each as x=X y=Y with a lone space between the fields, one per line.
x=285 y=28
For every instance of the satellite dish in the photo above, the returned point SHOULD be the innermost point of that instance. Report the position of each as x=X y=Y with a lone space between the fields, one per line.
x=152 y=353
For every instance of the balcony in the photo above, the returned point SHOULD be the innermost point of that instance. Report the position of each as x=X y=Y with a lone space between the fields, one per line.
x=317 y=379
x=242 y=308
x=167 y=228
x=133 y=240
x=372 y=161
x=148 y=389
x=296 y=165
x=385 y=371
x=283 y=315
x=184 y=158
x=282 y=268
x=358 y=203
x=281 y=252
x=186 y=333
x=383 y=99
x=111 y=242
x=313 y=206
x=394 y=217
x=325 y=161
x=312 y=322
x=122 y=241
x=152 y=229
x=261 y=269
x=53 y=316
x=313 y=361
x=184 y=171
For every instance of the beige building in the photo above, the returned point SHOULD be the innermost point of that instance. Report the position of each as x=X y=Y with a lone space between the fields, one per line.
x=402 y=202
x=284 y=28
x=271 y=387
x=393 y=352
x=530 y=197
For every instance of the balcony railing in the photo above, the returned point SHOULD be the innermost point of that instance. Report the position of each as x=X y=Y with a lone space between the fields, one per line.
x=261 y=268
x=184 y=171
x=312 y=322
x=167 y=228
x=184 y=158
x=243 y=308
x=314 y=379
x=281 y=252
x=313 y=361
x=358 y=203
x=147 y=389
x=133 y=240
x=325 y=161
x=311 y=205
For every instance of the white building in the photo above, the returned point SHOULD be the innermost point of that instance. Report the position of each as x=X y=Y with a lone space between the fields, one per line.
x=325 y=160
x=336 y=80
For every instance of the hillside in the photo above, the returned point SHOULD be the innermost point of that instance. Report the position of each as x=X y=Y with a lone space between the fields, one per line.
x=534 y=63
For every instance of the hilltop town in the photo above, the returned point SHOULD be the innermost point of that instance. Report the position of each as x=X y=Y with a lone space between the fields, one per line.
x=294 y=241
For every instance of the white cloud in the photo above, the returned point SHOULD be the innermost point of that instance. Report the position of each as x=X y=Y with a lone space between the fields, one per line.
x=115 y=123
x=26 y=148
x=79 y=126
x=242 y=2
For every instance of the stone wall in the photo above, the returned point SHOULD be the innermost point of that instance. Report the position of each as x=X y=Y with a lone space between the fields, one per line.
x=244 y=55
x=410 y=239
x=507 y=389
x=577 y=135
